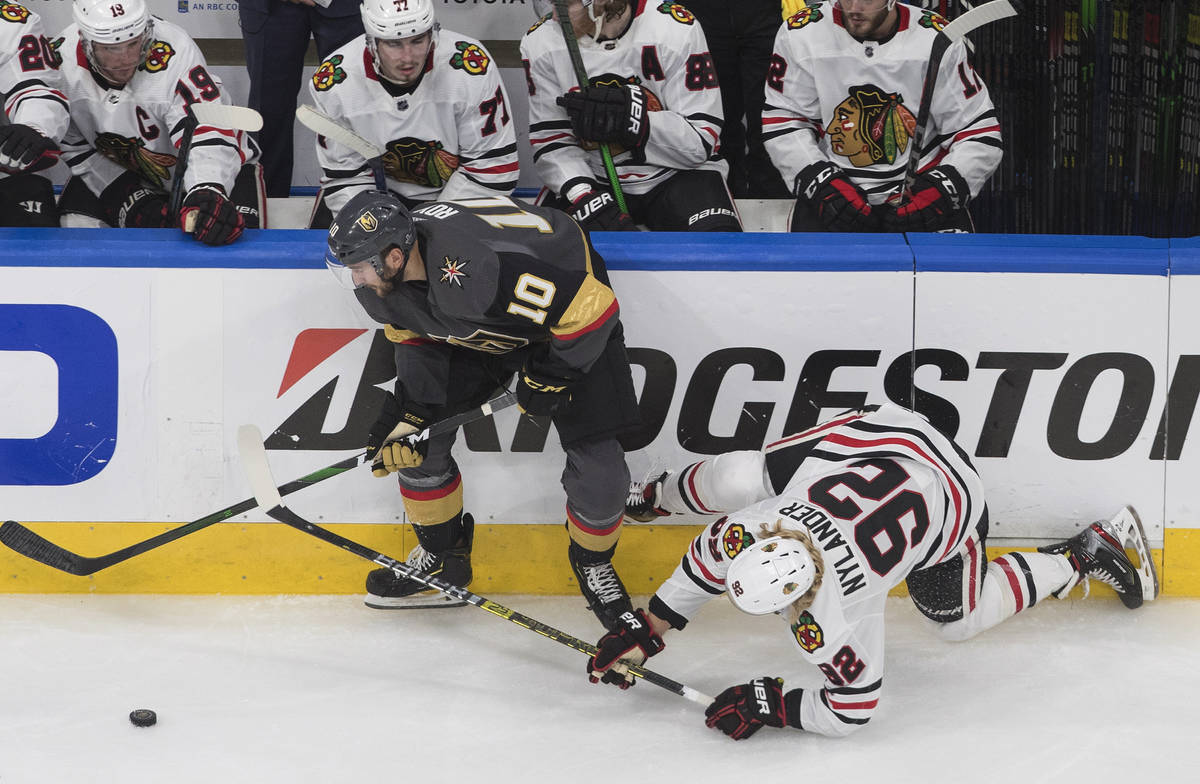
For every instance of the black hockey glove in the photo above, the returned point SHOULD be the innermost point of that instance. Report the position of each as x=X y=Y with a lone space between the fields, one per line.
x=142 y=208
x=209 y=216
x=596 y=209
x=740 y=710
x=23 y=149
x=407 y=450
x=633 y=640
x=934 y=196
x=607 y=113
x=839 y=203
x=539 y=394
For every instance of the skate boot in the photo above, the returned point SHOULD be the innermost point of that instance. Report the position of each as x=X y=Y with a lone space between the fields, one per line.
x=1099 y=551
x=387 y=590
x=644 y=499
x=598 y=582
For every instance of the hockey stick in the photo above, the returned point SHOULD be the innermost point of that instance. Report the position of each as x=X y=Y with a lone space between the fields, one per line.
x=32 y=545
x=950 y=34
x=568 y=33
x=324 y=125
x=258 y=471
x=217 y=115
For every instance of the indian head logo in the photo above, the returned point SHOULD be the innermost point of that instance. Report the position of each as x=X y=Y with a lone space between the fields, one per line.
x=736 y=539
x=677 y=12
x=421 y=162
x=932 y=20
x=808 y=633
x=470 y=58
x=11 y=12
x=871 y=126
x=130 y=153
x=328 y=74
x=804 y=16
x=157 y=58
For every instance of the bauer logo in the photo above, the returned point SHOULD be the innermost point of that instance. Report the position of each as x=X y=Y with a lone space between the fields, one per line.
x=59 y=425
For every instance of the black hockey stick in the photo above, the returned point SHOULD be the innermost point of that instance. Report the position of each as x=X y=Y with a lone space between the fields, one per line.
x=258 y=471
x=32 y=545
x=568 y=33
x=949 y=35
x=238 y=118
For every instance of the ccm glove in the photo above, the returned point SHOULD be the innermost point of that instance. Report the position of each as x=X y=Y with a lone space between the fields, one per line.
x=24 y=149
x=408 y=444
x=933 y=197
x=539 y=394
x=609 y=113
x=596 y=209
x=740 y=710
x=216 y=219
x=840 y=204
x=633 y=640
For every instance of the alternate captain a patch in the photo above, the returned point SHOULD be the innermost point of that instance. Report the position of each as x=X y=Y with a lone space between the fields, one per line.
x=808 y=633
x=454 y=271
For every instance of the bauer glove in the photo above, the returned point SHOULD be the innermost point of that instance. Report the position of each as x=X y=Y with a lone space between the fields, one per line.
x=129 y=204
x=209 y=216
x=631 y=641
x=839 y=203
x=934 y=196
x=740 y=710
x=608 y=113
x=594 y=208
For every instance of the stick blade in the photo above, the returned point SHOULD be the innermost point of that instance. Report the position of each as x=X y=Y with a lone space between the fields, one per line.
x=977 y=17
x=240 y=118
x=324 y=125
x=256 y=467
x=32 y=545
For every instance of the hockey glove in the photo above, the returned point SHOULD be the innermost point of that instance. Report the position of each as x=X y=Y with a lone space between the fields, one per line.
x=539 y=394
x=209 y=216
x=740 y=710
x=397 y=440
x=607 y=113
x=24 y=149
x=631 y=641
x=596 y=209
x=839 y=203
x=934 y=196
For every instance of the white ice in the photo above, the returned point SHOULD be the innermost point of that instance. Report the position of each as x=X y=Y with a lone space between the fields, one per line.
x=322 y=689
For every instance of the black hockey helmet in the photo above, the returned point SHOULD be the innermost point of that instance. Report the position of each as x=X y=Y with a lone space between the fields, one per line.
x=369 y=224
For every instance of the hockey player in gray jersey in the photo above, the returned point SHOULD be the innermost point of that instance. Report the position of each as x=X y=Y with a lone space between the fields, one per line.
x=472 y=292
x=37 y=113
x=828 y=521
x=652 y=97
x=843 y=90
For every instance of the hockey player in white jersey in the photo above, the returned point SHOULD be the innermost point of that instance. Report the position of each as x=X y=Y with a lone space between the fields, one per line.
x=843 y=90
x=130 y=78
x=653 y=98
x=830 y=520
x=431 y=98
x=37 y=114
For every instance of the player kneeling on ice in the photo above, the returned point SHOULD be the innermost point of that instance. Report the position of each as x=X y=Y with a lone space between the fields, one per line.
x=830 y=521
x=130 y=79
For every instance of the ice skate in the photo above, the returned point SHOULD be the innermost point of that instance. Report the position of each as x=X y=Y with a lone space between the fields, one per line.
x=1099 y=551
x=387 y=590
x=644 y=499
x=598 y=582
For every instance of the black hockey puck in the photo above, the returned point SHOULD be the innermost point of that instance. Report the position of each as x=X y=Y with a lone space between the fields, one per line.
x=143 y=717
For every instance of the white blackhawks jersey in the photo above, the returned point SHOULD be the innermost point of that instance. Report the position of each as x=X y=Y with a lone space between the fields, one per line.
x=30 y=81
x=452 y=137
x=663 y=50
x=832 y=98
x=881 y=493
x=140 y=126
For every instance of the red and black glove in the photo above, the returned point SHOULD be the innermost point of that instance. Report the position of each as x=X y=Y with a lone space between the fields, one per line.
x=609 y=113
x=633 y=640
x=934 y=196
x=594 y=208
x=839 y=203
x=541 y=394
x=209 y=216
x=129 y=204
x=740 y=710
x=25 y=149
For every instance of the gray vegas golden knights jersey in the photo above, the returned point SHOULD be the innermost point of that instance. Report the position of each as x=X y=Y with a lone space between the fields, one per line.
x=502 y=278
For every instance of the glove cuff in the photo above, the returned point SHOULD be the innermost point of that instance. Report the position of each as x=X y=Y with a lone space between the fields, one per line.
x=952 y=183
x=815 y=176
x=791 y=708
x=576 y=188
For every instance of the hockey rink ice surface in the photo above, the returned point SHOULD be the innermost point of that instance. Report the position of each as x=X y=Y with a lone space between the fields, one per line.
x=322 y=689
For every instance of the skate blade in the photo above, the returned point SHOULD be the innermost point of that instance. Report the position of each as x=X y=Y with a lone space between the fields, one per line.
x=427 y=600
x=1133 y=536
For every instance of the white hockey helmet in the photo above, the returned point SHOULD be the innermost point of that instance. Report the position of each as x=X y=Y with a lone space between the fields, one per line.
x=394 y=19
x=108 y=22
x=769 y=575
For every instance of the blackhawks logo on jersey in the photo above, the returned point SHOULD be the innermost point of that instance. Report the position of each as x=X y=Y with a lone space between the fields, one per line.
x=329 y=73
x=870 y=126
x=676 y=12
x=736 y=539
x=805 y=16
x=932 y=20
x=454 y=271
x=420 y=162
x=11 y=12
x=470 y=58
x=808 y=633
x=157 y=58
x=131 y=154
